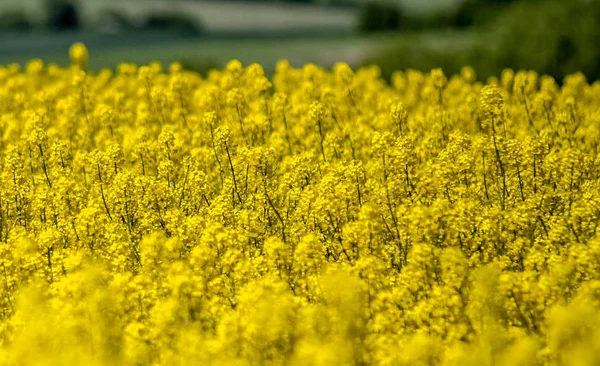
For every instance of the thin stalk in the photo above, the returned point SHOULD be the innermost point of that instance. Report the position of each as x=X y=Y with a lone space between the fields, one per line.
x=235 y=187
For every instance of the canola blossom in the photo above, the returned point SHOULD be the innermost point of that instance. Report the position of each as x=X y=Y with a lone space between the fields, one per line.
x=315 y=217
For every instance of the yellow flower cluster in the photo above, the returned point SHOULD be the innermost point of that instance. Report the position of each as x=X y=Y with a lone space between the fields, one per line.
x=152 y=217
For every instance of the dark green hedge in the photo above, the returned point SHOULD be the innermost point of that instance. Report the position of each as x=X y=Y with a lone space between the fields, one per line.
x=552 y=37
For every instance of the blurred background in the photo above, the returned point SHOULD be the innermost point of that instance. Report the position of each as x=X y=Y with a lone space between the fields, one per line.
x=554 y=37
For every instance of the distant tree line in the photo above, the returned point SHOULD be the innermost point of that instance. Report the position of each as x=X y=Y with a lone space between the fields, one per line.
x=385 y=15
x=316 y=2
x=552 y=37
x=62 y=14
x=57 y=15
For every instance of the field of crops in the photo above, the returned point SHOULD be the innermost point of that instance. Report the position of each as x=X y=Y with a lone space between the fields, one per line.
x=150 y=216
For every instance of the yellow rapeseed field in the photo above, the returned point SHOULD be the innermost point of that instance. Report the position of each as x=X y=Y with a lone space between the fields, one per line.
x=157 y=217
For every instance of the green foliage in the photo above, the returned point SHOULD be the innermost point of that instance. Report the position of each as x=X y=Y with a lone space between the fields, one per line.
x=174 y=22
x=465 y=14
x=62 y=14
x=15 y=20
x=477 y=12
x=420 y=57
x=378 y=16
x=551 y=37
x=199 y=66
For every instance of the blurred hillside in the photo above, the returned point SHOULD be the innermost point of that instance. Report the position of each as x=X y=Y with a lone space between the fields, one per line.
x=210 y=16
x=200 y=33
x=554 y=37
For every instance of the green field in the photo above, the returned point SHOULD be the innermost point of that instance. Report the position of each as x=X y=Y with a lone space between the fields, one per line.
x=251 y=32
x=109 y=51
